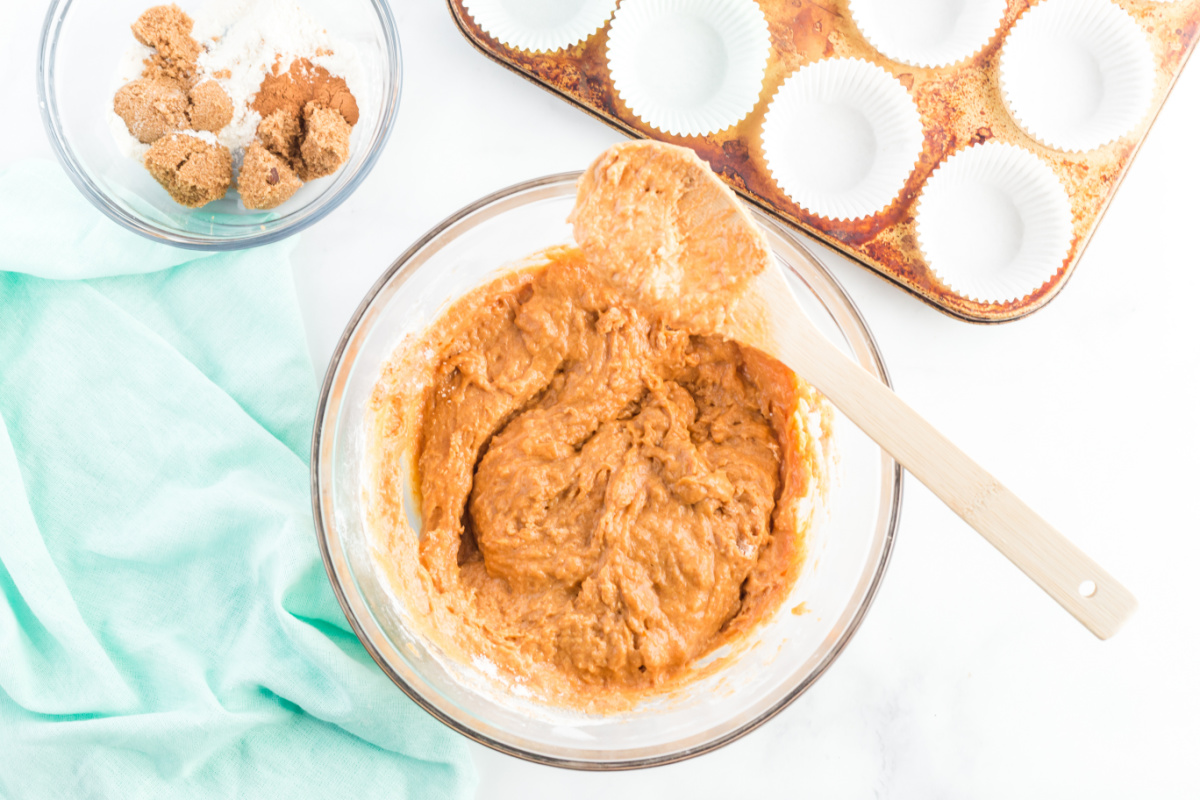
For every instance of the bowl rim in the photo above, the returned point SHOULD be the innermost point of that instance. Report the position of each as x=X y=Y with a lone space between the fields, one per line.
x=65 y=154
x=317 y=475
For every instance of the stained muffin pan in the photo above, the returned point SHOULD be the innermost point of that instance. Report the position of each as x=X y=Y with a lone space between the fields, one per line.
x=1027 y=116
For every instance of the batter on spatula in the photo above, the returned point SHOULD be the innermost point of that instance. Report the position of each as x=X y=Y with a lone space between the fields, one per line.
x=606 y=496
x=655 y=224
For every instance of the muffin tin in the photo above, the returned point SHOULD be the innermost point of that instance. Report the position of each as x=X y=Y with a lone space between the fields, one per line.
x=830 y=122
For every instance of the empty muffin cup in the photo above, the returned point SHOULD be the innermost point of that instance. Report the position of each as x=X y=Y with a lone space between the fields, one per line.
x=689 y=67
x=841 y=137
x=928 y=33
x=1077 y=74
x=540 y=26
x=994 y=223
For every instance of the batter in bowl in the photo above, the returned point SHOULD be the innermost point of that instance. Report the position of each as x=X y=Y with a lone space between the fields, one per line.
x=606 y=496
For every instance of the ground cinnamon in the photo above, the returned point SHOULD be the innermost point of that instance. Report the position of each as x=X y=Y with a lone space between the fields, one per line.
x=306 y=118
x=303 y=82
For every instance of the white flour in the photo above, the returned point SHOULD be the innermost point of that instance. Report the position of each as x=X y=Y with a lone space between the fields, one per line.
x=250 y=36
x=204 y=136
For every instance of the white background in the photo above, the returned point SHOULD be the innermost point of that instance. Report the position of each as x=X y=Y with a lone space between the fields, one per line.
x=964 y=680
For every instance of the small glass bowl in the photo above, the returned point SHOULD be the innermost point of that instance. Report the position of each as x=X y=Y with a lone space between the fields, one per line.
x=847 y=553
x=81 y=46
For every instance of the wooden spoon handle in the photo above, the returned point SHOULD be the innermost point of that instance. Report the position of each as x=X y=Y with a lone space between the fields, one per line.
x=1065 y=572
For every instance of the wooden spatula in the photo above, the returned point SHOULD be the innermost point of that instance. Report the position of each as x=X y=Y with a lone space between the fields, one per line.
x=658 y=224
x=1065 y=572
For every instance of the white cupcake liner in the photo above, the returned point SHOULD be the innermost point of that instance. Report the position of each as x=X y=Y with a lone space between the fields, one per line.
x=540 y=26
x=689 y=67
x=994 y=222
x=841 y=137
x=928 y=33
x=1077 y=74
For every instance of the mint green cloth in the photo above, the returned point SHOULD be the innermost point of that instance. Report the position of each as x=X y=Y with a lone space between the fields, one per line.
x=166 y=625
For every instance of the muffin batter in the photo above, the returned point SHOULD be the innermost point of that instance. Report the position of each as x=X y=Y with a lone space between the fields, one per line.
x=605 y=497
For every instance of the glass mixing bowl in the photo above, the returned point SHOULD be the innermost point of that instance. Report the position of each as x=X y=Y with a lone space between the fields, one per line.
x=848 y=552
x=81 y=45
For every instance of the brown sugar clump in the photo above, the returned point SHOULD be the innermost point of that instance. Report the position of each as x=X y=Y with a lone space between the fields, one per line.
x=265 y=180
x=301 y=83
x=169 y=31
x=280 y=133
x=326 y=144
x=151 y=108
x=193 y=171
x=211 y=108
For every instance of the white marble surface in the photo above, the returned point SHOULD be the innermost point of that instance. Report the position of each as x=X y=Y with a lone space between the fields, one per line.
x=964 y=681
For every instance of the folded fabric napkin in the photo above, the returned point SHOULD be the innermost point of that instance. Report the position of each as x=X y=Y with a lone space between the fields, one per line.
x=166 y=626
